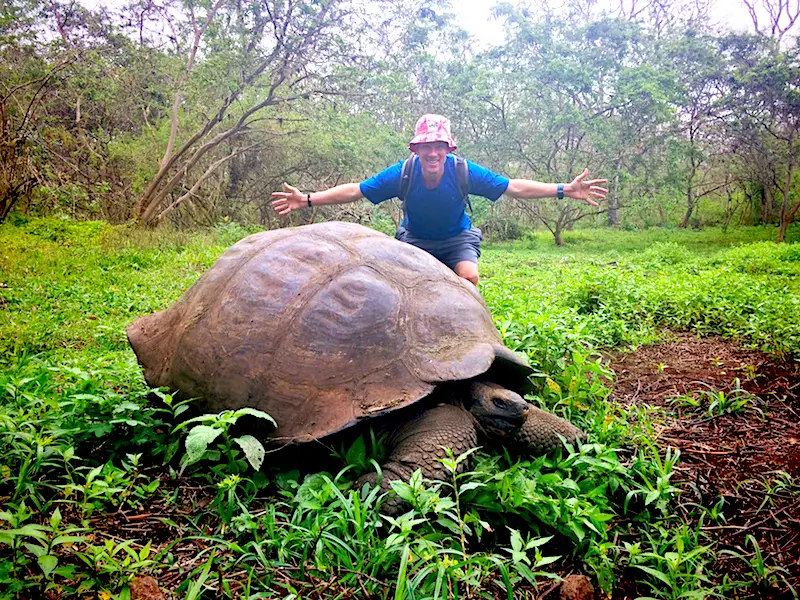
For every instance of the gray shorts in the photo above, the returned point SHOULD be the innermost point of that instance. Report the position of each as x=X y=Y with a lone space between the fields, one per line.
x=464 y=246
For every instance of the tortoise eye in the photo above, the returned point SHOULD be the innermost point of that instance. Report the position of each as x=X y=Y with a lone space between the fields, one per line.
x=499 y=402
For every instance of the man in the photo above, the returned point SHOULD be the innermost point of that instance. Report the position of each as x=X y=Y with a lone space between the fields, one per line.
x=435 y=218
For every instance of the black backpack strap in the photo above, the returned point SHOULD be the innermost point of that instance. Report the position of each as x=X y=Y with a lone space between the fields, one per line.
x=405 y=183
x=407 y=171
x=462 y=178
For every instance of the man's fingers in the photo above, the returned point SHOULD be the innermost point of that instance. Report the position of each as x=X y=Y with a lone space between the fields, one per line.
x=281 y=206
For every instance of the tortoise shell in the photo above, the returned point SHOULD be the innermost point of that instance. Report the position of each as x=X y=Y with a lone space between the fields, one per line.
x=321 y=326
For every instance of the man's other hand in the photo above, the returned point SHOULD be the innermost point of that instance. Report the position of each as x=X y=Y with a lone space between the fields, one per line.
x=586 y=190
x=288 y=200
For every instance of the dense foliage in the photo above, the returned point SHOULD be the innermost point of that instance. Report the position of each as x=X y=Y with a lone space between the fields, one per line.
x=195 y=112
x=84 y=442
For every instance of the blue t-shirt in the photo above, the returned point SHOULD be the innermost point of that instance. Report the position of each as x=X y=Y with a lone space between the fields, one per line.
x=439 y=213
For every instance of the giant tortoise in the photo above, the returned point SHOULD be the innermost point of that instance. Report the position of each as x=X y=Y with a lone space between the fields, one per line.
x=327 y=325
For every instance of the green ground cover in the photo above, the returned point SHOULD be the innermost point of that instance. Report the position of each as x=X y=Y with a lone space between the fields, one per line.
x=82 y=443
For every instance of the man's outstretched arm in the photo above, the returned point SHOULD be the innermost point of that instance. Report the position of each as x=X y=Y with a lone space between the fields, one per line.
x=586 y=191
x=292 y=198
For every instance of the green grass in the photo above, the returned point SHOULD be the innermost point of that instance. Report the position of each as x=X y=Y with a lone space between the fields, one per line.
x=623 y=290
x=80 y=441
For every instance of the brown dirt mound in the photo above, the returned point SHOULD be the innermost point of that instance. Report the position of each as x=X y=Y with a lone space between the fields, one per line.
x=734 y=414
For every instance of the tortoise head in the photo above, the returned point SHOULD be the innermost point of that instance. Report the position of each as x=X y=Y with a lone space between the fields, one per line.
x=499 y=412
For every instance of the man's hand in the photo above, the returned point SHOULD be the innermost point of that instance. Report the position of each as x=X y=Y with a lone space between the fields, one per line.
x=289 y=200
x=586 y=190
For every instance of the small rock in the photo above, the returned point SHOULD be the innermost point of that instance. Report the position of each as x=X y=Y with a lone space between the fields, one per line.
x=576 y=587
x=145 y=587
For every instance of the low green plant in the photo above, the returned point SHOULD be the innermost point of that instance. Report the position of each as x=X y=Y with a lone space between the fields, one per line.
x=437 y=505
x=762 y=575
x=110 y=565
x=677 y=561
x=204 y=430
x=29 y=540
x=654 y=485
x=716 y=403
x=772 y=485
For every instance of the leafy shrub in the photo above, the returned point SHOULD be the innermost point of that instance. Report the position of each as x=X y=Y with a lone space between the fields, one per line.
x=65 y=231
x=764 y=258
x=229 y=232
x=500 y=228
x=665 y=253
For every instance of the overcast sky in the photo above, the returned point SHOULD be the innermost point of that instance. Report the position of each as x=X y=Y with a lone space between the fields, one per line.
x=475 y=17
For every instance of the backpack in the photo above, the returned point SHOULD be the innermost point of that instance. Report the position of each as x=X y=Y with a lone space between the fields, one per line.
x=462 y=179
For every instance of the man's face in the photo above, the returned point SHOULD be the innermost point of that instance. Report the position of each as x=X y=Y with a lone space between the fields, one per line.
x=432 y=156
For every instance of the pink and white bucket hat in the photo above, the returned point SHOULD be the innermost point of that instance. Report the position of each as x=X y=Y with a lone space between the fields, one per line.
x=432 y=128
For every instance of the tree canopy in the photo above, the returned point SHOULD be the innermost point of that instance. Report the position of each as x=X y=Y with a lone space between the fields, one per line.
x=193 y=112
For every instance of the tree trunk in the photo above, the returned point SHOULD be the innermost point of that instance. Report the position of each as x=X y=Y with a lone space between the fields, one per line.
x=788 y=213
x=613 y=197
x=12 y=195
x=782 y=231
x=557 y=234
x=728 y=208
x=689 y=208
x=7 y=202
x=767 y=201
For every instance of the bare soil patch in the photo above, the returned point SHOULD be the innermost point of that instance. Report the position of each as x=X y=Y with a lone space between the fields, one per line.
x=734 y=414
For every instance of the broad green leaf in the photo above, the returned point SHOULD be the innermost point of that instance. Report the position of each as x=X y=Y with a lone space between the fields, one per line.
x=35 y=550
x=200 y=436
x=449 y=524
x=535 y=543
x=516 y=540
x=253 y=412
x=90 y=477
x=145 y=551
x=471 y=485
x=67 y=539
x=654 y=573
x=357 y=452
x=403 y=490
x=313 y=493
x=30 y=530
x=47 y=562
x=253 y=450
x=546 y=560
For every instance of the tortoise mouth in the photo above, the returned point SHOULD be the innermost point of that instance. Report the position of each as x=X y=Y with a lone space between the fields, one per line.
x=502 y=426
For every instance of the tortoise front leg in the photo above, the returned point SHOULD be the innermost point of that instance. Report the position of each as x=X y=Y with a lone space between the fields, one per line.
x=420 y=444
x=539 y=433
